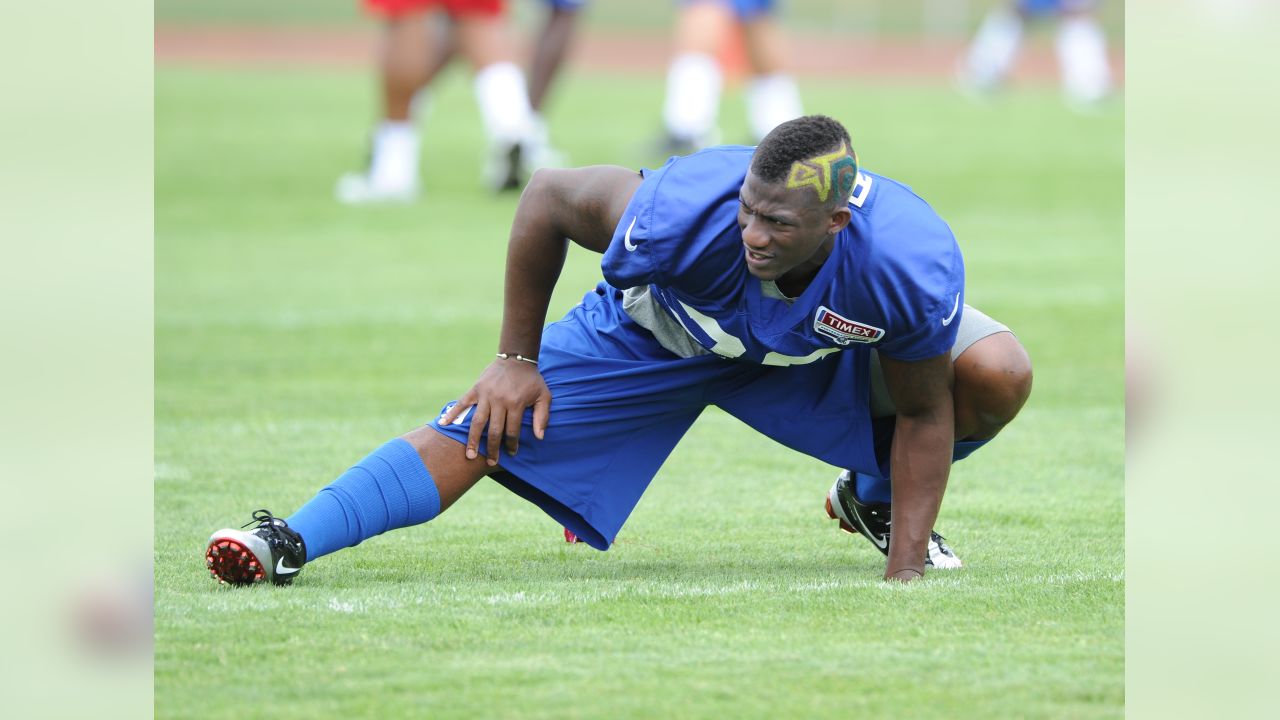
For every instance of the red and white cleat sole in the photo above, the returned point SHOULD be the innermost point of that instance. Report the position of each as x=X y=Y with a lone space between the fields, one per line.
x=234 y=558
x=831 y=513
x=572 y=538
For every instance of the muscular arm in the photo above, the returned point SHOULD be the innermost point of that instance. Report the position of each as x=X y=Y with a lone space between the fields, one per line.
x=920 y=458
x=582 y=204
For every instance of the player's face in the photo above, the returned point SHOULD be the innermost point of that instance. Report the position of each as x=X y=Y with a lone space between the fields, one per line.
x=784 y=230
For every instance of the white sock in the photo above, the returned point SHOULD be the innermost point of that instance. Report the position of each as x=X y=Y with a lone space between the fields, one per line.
x=1082 y=58
x=421 y=105
x=504 y=103
x=538 y=129
x=538 y=151
x=694 y=82
x=994 y=48
x=771 y=101
x=395 y=155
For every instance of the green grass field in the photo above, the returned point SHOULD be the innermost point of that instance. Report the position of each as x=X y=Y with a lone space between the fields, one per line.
x=293 y=335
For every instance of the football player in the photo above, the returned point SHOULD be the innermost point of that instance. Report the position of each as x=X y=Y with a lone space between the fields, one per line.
x=695 y=76
x=820 y=303
x=415 y=50
x=1081 y=49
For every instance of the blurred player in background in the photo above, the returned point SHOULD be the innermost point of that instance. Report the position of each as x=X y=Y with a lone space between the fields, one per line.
x=695 y=77
x=414 y=51
x=1081 y=49
x=549 y=51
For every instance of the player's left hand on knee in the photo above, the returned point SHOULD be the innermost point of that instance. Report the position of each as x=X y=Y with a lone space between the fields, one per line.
x=501 y=395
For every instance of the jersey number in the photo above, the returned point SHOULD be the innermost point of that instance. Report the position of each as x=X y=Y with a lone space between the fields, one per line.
x=861 y=189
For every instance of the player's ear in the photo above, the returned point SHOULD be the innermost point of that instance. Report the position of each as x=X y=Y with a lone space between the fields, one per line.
x=838 y=219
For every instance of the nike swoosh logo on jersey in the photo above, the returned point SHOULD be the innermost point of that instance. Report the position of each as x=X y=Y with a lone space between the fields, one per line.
x=282 y=569
x=626 y=239
x=947 y=321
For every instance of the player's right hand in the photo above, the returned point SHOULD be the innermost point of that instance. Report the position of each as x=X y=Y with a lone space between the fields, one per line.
x=504 y=391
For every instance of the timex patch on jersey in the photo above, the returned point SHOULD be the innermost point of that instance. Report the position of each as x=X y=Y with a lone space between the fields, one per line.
x=842 y=329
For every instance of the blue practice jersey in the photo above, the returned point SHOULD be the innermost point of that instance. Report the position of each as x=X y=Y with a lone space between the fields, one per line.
x=894 y=280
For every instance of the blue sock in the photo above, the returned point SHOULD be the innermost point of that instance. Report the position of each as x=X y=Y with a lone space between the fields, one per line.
x=389 y=489
x=872 y=488
x=875 y=489
x=965 y=448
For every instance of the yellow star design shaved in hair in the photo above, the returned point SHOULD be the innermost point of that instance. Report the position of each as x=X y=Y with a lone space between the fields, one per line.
x=819 y=172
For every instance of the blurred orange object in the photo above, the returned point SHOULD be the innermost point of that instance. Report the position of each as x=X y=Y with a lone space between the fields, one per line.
x=733 y=56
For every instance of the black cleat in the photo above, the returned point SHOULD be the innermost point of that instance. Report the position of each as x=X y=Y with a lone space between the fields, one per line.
x=672 y=145
x=872 y=521
x=667 y=144
x=506 y=167
x=272 y=551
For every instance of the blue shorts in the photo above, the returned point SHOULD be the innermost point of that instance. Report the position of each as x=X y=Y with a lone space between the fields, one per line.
x=566 y=4
x=1044 y=7
x=620 y=403
x=743 y=9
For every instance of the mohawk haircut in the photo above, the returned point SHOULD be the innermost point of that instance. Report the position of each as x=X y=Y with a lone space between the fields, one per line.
x=795 y=141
